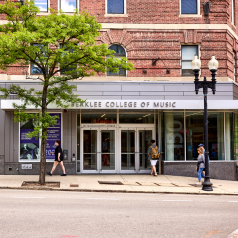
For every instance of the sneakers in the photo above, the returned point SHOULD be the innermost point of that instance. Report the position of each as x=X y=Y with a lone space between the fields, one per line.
x=198 y=183
x=49 y=173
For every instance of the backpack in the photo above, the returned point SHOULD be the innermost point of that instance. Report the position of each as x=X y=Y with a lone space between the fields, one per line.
x=154 y=154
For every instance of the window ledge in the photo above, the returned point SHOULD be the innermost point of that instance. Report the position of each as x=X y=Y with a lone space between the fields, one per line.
x=115 y=15
x=190 y=15
x=43 y=13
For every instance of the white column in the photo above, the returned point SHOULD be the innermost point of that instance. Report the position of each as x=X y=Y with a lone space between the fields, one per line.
x=228 y=136
x=220 y=137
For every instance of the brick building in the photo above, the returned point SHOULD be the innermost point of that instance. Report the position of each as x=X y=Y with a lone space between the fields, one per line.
x=111 y=132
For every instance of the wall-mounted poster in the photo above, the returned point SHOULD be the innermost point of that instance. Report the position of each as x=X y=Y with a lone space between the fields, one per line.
x=53 y=134
x=29 y=147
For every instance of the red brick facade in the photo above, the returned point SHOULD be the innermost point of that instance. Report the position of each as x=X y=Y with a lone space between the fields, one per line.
x=143 y=45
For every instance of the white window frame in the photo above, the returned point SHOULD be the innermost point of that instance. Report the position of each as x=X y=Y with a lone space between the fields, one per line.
x=115 y=14
x=191 y=14
x=125 y=56
x=30 y=66
x=63 y=73
x=234 y=66
x=45 y=12
x=232 y=12
x=199 y=55
x=77 y=6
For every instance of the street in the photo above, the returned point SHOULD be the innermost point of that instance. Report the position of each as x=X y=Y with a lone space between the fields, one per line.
x=56 y=214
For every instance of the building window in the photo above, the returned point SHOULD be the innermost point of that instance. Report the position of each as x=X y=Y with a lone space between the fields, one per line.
x=35 y=69
x=68 y=69
x=137 y=118
x=189 y=7
x=115 y=6
x=119 y=53
x=99 y=118
x=188 y=52
x=42 y=4
x=68 y=5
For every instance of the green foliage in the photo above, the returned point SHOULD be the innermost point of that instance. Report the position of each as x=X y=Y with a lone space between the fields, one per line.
x=52 y=43
x=55 y=40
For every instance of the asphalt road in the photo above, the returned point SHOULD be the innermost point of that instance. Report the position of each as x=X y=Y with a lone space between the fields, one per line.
x=52 y=214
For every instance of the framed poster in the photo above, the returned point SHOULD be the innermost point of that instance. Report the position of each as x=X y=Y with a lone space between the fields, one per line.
x=30 y=147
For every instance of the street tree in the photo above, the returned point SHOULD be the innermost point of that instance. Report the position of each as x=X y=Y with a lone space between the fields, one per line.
x=60 y=48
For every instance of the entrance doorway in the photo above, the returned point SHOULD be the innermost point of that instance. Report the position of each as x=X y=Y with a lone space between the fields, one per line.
x=109 y=149
x=134 y=143
x=98 y=150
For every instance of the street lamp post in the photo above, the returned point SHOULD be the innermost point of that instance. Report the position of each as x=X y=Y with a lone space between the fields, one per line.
x=213 y=66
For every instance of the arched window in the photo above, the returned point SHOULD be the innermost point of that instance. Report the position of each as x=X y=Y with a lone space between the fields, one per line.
x=119 y=53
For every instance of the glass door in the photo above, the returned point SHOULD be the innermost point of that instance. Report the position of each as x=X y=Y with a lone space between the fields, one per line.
x=128 y=150
x=97 y=151
x=134 y=143
x=144 y=137
x=107 y=163
x=89 y=151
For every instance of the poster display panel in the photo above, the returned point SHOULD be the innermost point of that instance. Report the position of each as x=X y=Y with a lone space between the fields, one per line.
x=53 y=134
x=29 y=147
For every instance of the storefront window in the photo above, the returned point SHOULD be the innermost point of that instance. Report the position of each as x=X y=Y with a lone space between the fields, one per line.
x=99 y=118
x=235 y=135
x=195 y=134
x=229 y=136
x=174 y=136
x=136 y=118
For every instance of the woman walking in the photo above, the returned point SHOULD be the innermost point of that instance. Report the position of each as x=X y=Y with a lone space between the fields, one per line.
x=200 y=165
x=153 y=156
x=58 y=158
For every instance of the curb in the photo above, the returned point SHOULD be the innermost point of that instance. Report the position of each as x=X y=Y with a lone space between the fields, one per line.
x=112 y=191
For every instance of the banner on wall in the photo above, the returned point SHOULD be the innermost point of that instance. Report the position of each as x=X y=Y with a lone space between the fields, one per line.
x=29 y=147
x=53 y=134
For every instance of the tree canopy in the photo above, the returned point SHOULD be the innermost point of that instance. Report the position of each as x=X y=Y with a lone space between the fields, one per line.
x=59 y=48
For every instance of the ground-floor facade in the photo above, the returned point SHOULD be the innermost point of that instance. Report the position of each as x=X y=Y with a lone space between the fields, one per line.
x=111 y=132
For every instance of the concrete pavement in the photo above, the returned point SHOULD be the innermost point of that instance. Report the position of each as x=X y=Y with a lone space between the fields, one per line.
x=123 y=183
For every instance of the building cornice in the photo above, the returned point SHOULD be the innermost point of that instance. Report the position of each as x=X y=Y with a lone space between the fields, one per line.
x=169 y=27
x=163 y=27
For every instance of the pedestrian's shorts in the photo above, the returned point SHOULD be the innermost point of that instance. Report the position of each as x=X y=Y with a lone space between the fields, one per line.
x=153 y=162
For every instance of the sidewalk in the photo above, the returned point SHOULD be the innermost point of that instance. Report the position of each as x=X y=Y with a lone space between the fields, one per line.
x=128 y=183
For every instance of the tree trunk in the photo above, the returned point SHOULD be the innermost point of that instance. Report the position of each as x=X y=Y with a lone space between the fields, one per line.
x=43 y=140
x=43 y=161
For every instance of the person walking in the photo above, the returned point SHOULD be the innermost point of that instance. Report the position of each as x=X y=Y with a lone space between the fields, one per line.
x=58 y=159
x=200 y=165
x=202 y=147
x=153 y=156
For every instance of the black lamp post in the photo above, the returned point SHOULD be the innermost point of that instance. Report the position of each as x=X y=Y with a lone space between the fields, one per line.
x=213 y=66
x=22 y=2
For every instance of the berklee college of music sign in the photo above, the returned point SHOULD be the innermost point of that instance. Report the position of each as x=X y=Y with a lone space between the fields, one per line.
x=125 y=104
